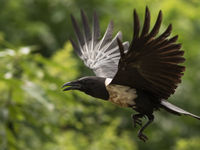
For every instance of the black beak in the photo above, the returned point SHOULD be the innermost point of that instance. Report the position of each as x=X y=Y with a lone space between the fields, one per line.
x=74 y=85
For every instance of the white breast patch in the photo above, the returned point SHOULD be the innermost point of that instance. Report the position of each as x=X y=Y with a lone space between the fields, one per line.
x=121 y=95
x=107 y=81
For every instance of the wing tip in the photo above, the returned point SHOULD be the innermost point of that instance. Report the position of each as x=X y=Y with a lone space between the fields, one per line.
x=160 y=14
x=72 y=19
x=121 y=48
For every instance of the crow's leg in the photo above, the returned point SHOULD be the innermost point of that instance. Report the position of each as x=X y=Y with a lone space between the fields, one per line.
x=140 y=133
x=136 y=119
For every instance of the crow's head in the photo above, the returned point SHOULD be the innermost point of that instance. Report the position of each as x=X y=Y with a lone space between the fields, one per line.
x=93 y=86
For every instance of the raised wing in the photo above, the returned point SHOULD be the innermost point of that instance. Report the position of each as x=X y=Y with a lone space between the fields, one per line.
x=152 y=62
x=102 y=56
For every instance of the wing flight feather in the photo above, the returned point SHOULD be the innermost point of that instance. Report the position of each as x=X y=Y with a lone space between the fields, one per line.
x=152 y=62
x=102 y=56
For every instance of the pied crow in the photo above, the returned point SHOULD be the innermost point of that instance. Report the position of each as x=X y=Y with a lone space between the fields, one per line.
x=140 y=75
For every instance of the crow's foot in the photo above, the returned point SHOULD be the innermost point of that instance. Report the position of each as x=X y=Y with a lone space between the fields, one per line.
x=137 y=120
x=142 y=137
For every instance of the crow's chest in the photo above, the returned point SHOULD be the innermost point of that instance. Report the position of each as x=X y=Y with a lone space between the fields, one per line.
x=123 y=96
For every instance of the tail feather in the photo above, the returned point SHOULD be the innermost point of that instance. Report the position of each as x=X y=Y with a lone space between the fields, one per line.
x=176 y=110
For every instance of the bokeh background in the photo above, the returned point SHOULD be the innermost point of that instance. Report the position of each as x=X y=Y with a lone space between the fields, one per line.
x=36 y=58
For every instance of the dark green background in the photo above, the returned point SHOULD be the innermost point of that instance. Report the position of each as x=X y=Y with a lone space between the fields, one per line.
x=36 y=58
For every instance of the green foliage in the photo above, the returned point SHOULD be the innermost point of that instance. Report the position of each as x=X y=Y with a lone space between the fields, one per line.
x=185 y=144
x=36 y=59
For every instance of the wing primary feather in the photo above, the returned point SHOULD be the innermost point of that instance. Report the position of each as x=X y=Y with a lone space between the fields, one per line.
x=173 y=39
x=110 y=47
x=170 y=47
x=86 y=34
x=166 y=33
x=96 y=28
x=136 y=25
x=161 y=40
x=146 y=26
x=86 y=26
x=107 y=36
x=172 y=53
x=173 y=59
x=76 y=48
x=77 y=31
x=95 y=34
x=156 y=27
x=113 y=43
x=136 y=29
x=121 y=48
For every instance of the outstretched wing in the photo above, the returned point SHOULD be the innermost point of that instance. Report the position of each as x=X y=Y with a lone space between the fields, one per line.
x=152 y=62
x=102 y=56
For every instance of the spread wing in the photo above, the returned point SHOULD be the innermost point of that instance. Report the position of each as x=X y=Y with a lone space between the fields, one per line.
x=152 y=62
x=102 y=56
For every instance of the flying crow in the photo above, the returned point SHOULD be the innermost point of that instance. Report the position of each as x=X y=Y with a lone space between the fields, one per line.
x=141 y=75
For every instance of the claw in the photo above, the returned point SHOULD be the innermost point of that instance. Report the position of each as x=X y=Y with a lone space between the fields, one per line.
x=137 y=120
x=142 y=137
x=145 y=117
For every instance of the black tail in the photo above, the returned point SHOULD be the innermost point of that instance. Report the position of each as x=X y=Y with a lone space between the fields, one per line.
x=176 y=110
